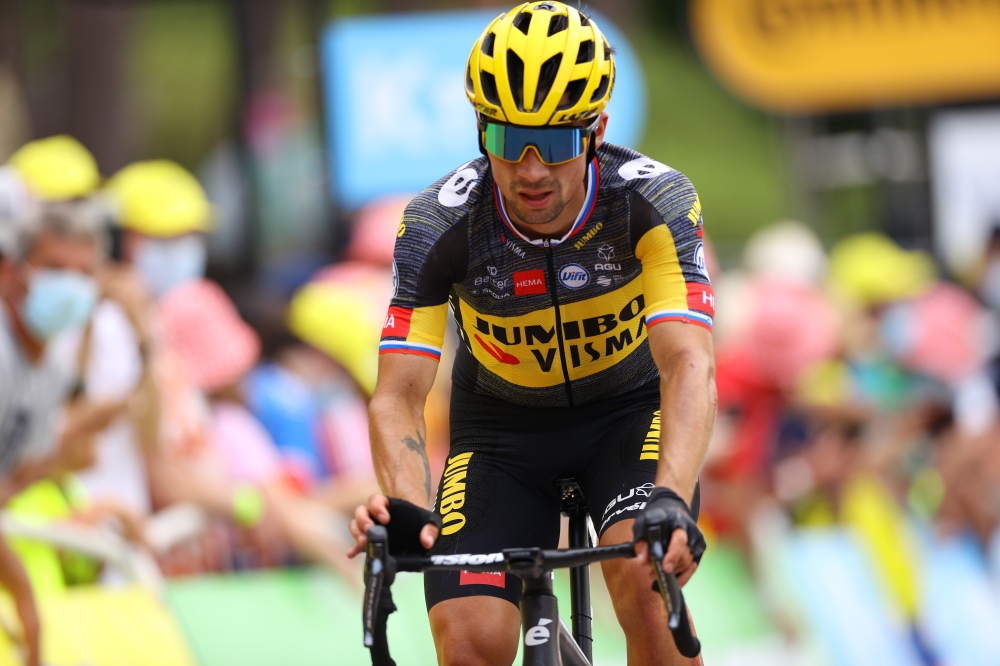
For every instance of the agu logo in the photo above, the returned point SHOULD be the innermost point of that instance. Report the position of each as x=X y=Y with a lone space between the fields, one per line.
x=574 y=276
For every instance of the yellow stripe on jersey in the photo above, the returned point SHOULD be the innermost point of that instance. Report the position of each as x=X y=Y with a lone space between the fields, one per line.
x=662 y=277
x=524 y=350
x=428 y=324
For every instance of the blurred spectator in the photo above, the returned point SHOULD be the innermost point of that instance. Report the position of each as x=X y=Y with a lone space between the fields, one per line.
x=216 y=350
x=48 y=289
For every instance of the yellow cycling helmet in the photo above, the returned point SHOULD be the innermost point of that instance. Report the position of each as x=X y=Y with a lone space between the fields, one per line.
x=542 y=63
x=56 y=168
x=160 y=198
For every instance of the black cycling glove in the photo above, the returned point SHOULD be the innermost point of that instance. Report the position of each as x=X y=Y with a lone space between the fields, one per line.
x=678 y=517
x=405 y=522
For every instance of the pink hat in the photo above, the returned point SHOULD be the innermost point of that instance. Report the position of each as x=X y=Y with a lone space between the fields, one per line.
x=943 y=334
x=201 y=325
x=375 y=230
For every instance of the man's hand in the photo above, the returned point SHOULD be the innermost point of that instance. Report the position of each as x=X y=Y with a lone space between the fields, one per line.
x=377 y=511
x=686 y=545
x=678 y=559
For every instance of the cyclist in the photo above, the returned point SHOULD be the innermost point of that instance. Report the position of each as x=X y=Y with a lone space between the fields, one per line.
x=575 y=272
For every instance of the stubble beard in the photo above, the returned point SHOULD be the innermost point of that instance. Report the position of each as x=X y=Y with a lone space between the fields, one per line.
x=532 y=217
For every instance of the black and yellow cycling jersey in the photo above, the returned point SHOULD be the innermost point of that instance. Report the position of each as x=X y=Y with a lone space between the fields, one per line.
x=551 y=322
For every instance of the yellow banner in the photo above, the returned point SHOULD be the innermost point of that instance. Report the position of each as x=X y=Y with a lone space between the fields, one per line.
x=524 y=350
x=807 y=56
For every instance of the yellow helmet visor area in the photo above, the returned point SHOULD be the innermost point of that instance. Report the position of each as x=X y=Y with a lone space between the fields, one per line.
x=554 y=145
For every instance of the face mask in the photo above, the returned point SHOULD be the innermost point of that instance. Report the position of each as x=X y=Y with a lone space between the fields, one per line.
x=57 y=301
x=167 y=263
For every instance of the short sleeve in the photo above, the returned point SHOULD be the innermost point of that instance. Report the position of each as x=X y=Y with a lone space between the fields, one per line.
x=667 y=236
x=430 y=256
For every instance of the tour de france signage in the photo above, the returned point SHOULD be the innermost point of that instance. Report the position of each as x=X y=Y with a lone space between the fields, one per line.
x=818 y=56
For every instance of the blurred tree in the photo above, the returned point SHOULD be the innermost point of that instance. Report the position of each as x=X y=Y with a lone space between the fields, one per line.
x=71 y=59
x=15 y=127
x=98 y=110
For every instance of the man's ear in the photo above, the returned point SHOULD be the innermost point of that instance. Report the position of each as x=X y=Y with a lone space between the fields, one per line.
x=602 y=127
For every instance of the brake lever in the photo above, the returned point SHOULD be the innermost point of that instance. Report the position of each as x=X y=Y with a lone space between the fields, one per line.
x=670 y=591
x=377 y=567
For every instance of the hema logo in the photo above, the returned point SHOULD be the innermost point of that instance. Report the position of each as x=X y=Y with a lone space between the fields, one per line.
x=574 y=276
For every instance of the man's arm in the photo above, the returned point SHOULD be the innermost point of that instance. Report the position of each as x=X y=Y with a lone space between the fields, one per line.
x=398 y=432
x=684 y=356
x=398 y=436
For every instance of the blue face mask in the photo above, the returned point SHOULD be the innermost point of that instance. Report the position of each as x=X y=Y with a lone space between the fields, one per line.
x=57 y=301
x=167 y=263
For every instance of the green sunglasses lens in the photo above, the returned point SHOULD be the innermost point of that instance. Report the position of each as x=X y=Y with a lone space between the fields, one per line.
x=554 y=144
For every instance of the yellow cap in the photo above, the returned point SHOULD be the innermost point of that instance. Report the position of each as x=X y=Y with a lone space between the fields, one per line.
x=340 y=320
x=160 y=198
x=57 y=168
x=871 y=269
x=541 y=63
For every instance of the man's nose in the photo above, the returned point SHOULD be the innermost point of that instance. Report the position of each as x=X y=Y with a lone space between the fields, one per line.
x=531 y=168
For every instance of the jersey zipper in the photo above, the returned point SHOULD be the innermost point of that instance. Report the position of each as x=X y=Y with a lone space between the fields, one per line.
x=559 y=332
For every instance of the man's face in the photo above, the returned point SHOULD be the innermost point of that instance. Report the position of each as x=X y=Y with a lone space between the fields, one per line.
x=50 y=251
x=537 y=193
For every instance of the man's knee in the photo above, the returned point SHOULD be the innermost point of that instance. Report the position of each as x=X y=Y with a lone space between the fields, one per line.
x=475 y=631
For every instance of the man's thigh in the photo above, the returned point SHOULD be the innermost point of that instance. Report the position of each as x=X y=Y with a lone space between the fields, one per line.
x=639 y=609
x=475 y=630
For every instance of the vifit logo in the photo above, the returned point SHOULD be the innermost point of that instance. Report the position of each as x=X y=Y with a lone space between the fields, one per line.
x=574 y=276
x=529 y=282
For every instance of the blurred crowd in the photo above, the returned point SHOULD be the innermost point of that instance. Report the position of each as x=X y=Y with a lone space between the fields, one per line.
x=135 y=399
x=858 y=416
x=859 y=394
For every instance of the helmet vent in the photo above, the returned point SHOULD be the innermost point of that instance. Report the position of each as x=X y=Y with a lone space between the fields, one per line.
x=489 y=84
x=584 y=21
x=488 y=43
x=546 y=77
x=558 y=23
x=574 y=90
x=522 y=22
x=586 y=52
x=602 y=89
x=468 y=81
x=515 y=74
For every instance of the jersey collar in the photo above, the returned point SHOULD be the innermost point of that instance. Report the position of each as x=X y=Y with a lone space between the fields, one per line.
x=593 y=184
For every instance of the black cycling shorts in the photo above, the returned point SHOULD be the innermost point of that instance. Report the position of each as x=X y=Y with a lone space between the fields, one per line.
x=499 y=487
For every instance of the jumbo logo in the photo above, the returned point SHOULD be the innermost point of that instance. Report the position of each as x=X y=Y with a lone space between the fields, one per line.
x=453 y=493
x=574 y=276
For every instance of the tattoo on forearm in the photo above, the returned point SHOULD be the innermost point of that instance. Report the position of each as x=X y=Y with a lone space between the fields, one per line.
x=419 y=447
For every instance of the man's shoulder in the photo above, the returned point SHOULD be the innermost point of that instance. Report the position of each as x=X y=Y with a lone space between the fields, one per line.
x=452 y=197
x=626 y=169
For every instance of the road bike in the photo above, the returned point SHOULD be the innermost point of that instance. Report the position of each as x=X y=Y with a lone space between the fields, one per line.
x=547 y=640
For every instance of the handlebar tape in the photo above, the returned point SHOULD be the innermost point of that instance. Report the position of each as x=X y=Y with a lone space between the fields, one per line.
x=685 y=640
x=380 y=648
